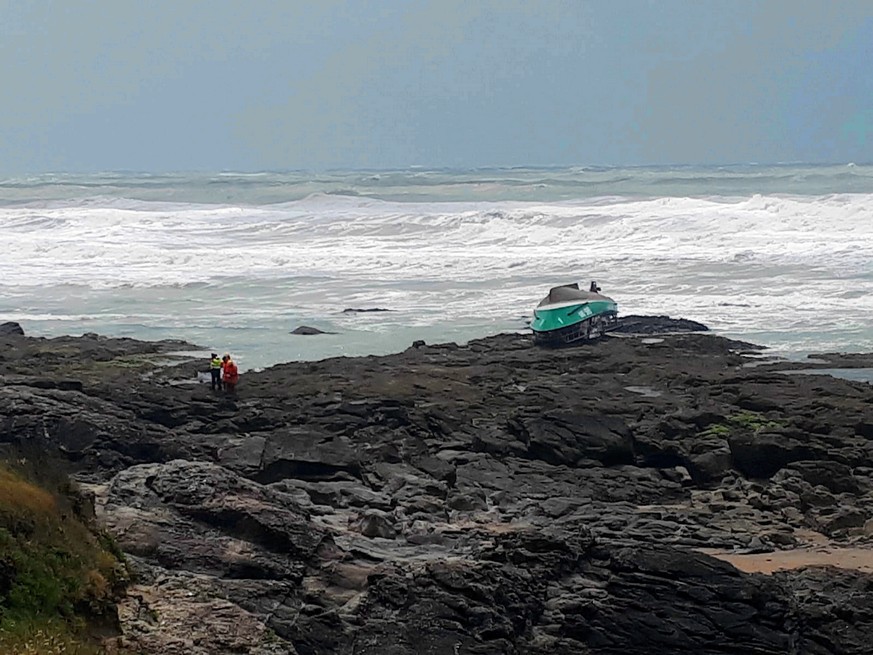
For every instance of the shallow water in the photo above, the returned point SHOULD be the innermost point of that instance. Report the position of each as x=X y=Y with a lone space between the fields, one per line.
x=853 y=374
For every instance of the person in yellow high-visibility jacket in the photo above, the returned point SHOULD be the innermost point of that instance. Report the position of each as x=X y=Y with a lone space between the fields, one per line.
x=215 y=367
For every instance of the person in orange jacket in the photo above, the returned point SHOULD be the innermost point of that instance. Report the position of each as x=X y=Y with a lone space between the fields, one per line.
x=230 y=373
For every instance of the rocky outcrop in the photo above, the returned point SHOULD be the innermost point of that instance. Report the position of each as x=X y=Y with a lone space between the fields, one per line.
x=487 y=498
x=11 y=329
x=633 y=324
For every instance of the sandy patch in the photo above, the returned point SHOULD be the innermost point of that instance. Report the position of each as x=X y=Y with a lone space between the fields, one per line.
x=857 y=559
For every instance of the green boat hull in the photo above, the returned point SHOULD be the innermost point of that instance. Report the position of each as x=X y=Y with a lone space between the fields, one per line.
x=546 y=319
x=569 y=314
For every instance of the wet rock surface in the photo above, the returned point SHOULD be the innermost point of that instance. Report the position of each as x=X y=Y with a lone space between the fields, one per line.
x=487 y=498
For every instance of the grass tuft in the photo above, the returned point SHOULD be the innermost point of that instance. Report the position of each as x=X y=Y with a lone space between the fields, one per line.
x=743 y=421
x=20 y=498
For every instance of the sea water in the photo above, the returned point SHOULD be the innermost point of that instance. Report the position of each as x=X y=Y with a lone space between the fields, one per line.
x=777 y=255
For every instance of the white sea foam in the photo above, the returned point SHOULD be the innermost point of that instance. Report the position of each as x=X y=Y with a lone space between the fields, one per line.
x=141 y=244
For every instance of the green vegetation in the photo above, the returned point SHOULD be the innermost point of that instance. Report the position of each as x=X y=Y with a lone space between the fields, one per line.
x=58 y=577
x=748 y=421
x=716 y=430
x=129 y=361
x=754 y=421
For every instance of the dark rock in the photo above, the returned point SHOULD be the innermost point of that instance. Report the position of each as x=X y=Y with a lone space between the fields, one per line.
x=465 y=503
x=834 y=522
x=307 y=331
x=836 y=610
x=564 y=438
x=718 y=609
x=305 y=455
x=11 y=329
x=756 y=403
x=352 y=310
x=835 y=477
x=376 y=524
x=761 y=455
x=634 y=324
x=710 y=465
x=864 y=430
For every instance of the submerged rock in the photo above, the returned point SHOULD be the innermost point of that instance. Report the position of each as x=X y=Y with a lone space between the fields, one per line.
x=307 y=331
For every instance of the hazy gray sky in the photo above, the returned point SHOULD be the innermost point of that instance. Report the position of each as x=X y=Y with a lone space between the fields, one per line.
x=253 y=85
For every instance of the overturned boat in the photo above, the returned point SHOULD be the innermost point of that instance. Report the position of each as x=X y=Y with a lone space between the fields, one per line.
x=569 y=315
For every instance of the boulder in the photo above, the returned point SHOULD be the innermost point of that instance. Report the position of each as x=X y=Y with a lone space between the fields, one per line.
x=11 y=329
x=306 y=330
x=762 y=455
x=567 y=438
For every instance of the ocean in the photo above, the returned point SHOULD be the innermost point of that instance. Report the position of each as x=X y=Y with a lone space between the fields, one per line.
x=778 y=255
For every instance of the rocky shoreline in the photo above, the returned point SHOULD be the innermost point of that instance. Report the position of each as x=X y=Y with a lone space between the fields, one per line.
x=671 y=493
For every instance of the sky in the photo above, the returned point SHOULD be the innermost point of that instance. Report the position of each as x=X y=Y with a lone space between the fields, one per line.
x=191 y=85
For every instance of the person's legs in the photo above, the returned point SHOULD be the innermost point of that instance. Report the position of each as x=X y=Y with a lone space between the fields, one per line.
x=216 y=379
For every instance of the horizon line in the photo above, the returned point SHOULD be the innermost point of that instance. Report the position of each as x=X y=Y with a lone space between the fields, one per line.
x=423 y=167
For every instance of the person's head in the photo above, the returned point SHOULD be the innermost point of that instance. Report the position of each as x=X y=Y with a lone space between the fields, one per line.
x=226 y=357
x=214 y=355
